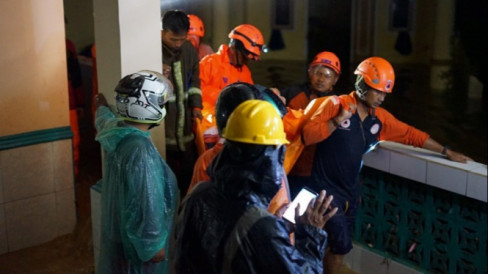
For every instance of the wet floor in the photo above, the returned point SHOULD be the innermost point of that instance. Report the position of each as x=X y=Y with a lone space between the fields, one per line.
x=450 y=118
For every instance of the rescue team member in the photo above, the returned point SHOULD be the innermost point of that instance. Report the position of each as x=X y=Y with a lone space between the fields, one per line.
x=186 y=104
x=139 y=191
x=227 y=66
x=195 y=36
x=344 y=129
x=323 y=73
x=223 y=225
x=229 y=98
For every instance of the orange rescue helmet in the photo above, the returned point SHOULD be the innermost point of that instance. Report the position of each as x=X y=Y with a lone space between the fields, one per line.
x=377 y=73
x=251 y=38
x=196 y=26
x=328 y=59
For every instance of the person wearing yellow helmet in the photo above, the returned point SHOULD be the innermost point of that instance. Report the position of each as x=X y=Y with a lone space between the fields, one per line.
x=223 y=225
x=195 y=36
x=344 y=129
x=139 y=190
x=229 y=98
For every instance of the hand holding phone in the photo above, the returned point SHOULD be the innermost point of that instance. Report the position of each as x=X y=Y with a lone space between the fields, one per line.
x=303 y=198
x=313 y=214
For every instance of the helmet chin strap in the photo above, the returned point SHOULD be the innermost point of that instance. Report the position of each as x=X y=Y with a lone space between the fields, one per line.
x=361 y=89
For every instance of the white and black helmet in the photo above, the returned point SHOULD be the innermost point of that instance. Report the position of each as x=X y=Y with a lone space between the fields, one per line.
x=140 y=97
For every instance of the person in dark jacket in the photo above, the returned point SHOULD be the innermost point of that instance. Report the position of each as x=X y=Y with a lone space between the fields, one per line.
x=223 y=225
x=180 y=63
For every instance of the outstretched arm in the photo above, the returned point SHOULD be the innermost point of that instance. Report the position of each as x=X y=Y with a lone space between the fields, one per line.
x=397 y=131
x=452 y=155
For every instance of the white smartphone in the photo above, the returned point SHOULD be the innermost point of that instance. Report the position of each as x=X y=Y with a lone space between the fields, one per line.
x=303 y=198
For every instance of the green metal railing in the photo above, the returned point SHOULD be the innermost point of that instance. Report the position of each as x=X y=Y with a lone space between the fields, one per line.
x=427 y=228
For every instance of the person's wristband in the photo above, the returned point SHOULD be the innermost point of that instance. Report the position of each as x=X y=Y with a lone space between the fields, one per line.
x=334 y=122
x=444 y=150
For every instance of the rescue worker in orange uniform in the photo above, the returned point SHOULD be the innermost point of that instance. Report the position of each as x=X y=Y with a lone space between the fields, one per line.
x=344 y=129
x=195 y=36
x=229 y=64
x=230 y=97
x=323 y=73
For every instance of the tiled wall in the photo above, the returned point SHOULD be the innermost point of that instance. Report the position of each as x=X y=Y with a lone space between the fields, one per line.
x=37 y=195
x=430 y=168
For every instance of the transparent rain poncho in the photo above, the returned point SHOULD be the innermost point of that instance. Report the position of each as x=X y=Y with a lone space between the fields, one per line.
x=139 y=198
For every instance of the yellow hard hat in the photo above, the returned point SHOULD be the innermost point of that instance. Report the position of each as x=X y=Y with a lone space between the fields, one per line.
x=255 y=122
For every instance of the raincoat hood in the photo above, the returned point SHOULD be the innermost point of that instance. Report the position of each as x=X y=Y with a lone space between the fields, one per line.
x=248 y=171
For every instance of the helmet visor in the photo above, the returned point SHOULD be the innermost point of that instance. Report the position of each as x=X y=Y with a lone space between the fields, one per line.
x=155 y=99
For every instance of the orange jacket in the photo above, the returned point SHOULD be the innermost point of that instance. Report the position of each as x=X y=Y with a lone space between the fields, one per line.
x=216 y=72
x=298 y=97
x=316 y=130
x=200 y=167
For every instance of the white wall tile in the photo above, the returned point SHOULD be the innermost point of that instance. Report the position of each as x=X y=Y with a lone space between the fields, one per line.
x=63 y=173
x=3 y=231
x=431 y=168
x=26 y=172
x=378 y=159
x=30 y=221
x=445 y=177
x=477 y=184
x=408 y=167
x=65 y=211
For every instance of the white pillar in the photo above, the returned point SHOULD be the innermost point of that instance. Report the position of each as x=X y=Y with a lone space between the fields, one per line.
x=442 y=56
x=128 y=39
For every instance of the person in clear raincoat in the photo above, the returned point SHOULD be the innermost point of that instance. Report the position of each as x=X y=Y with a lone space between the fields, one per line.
x=223 y=225
x=139 y=190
